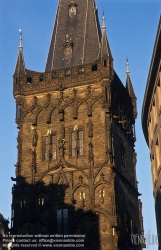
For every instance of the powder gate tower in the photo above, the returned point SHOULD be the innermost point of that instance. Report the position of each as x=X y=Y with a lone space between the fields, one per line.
x=75 y=170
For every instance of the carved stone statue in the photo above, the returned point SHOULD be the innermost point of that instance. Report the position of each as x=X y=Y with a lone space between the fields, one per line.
x=62 y=132
x=109 y=94
x=129 y=128
x=91 y=157
x=34 y=136
x=108 y=119
x=123 y=117
x=18 y=114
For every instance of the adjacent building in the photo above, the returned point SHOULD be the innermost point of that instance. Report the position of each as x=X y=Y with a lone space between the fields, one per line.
x=151 y=122
x=76 y=167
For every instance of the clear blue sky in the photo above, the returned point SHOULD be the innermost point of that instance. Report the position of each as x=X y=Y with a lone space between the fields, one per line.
x=131 y=29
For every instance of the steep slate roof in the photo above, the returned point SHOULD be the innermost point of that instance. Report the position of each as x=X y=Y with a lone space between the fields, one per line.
x=130 y=87
x=80 y=29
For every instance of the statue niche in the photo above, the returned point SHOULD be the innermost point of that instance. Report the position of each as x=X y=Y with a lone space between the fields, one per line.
x=18 y=110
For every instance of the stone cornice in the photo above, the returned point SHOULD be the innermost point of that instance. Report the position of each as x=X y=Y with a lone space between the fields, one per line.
x=61 y=79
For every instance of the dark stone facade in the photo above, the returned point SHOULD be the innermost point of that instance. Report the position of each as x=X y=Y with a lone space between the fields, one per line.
x=76 y=160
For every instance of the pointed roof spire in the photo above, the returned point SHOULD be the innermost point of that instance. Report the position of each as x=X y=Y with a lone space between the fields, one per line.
x=80 y=20
x=20 y=65
x=128 y=81
x=105 y=48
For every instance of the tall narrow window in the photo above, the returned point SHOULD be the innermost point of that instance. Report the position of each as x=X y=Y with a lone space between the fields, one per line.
x=157 y=154
x=18 y=110
x=122 y=149
x=62 y=221
x=65 y=221
x=59 y=221
x=81 y=142
x=154 y=115
x=47 y=148
x=74 y=144
x=50 y=147
x=54 y=147
x=154 y=170
x=158 y=94
x=150 y=130
x=77 y=143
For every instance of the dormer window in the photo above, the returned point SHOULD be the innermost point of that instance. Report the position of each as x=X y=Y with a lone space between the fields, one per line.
x=72 y=9
x=68 y=47
x=81 y=70
x=68 y=53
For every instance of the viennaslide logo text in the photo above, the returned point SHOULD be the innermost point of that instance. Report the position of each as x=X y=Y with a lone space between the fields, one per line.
x=147 y=239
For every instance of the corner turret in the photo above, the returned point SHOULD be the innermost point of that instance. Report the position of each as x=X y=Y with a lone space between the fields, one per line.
x=130 y=90
x=105 y=48
x=20 y=65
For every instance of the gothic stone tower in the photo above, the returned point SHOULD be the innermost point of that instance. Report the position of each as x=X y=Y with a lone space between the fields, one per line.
x=75 y=172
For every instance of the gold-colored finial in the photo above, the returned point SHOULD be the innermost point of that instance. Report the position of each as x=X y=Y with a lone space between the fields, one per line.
x=20 y=31
x=127 y=67
x=103 y=21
